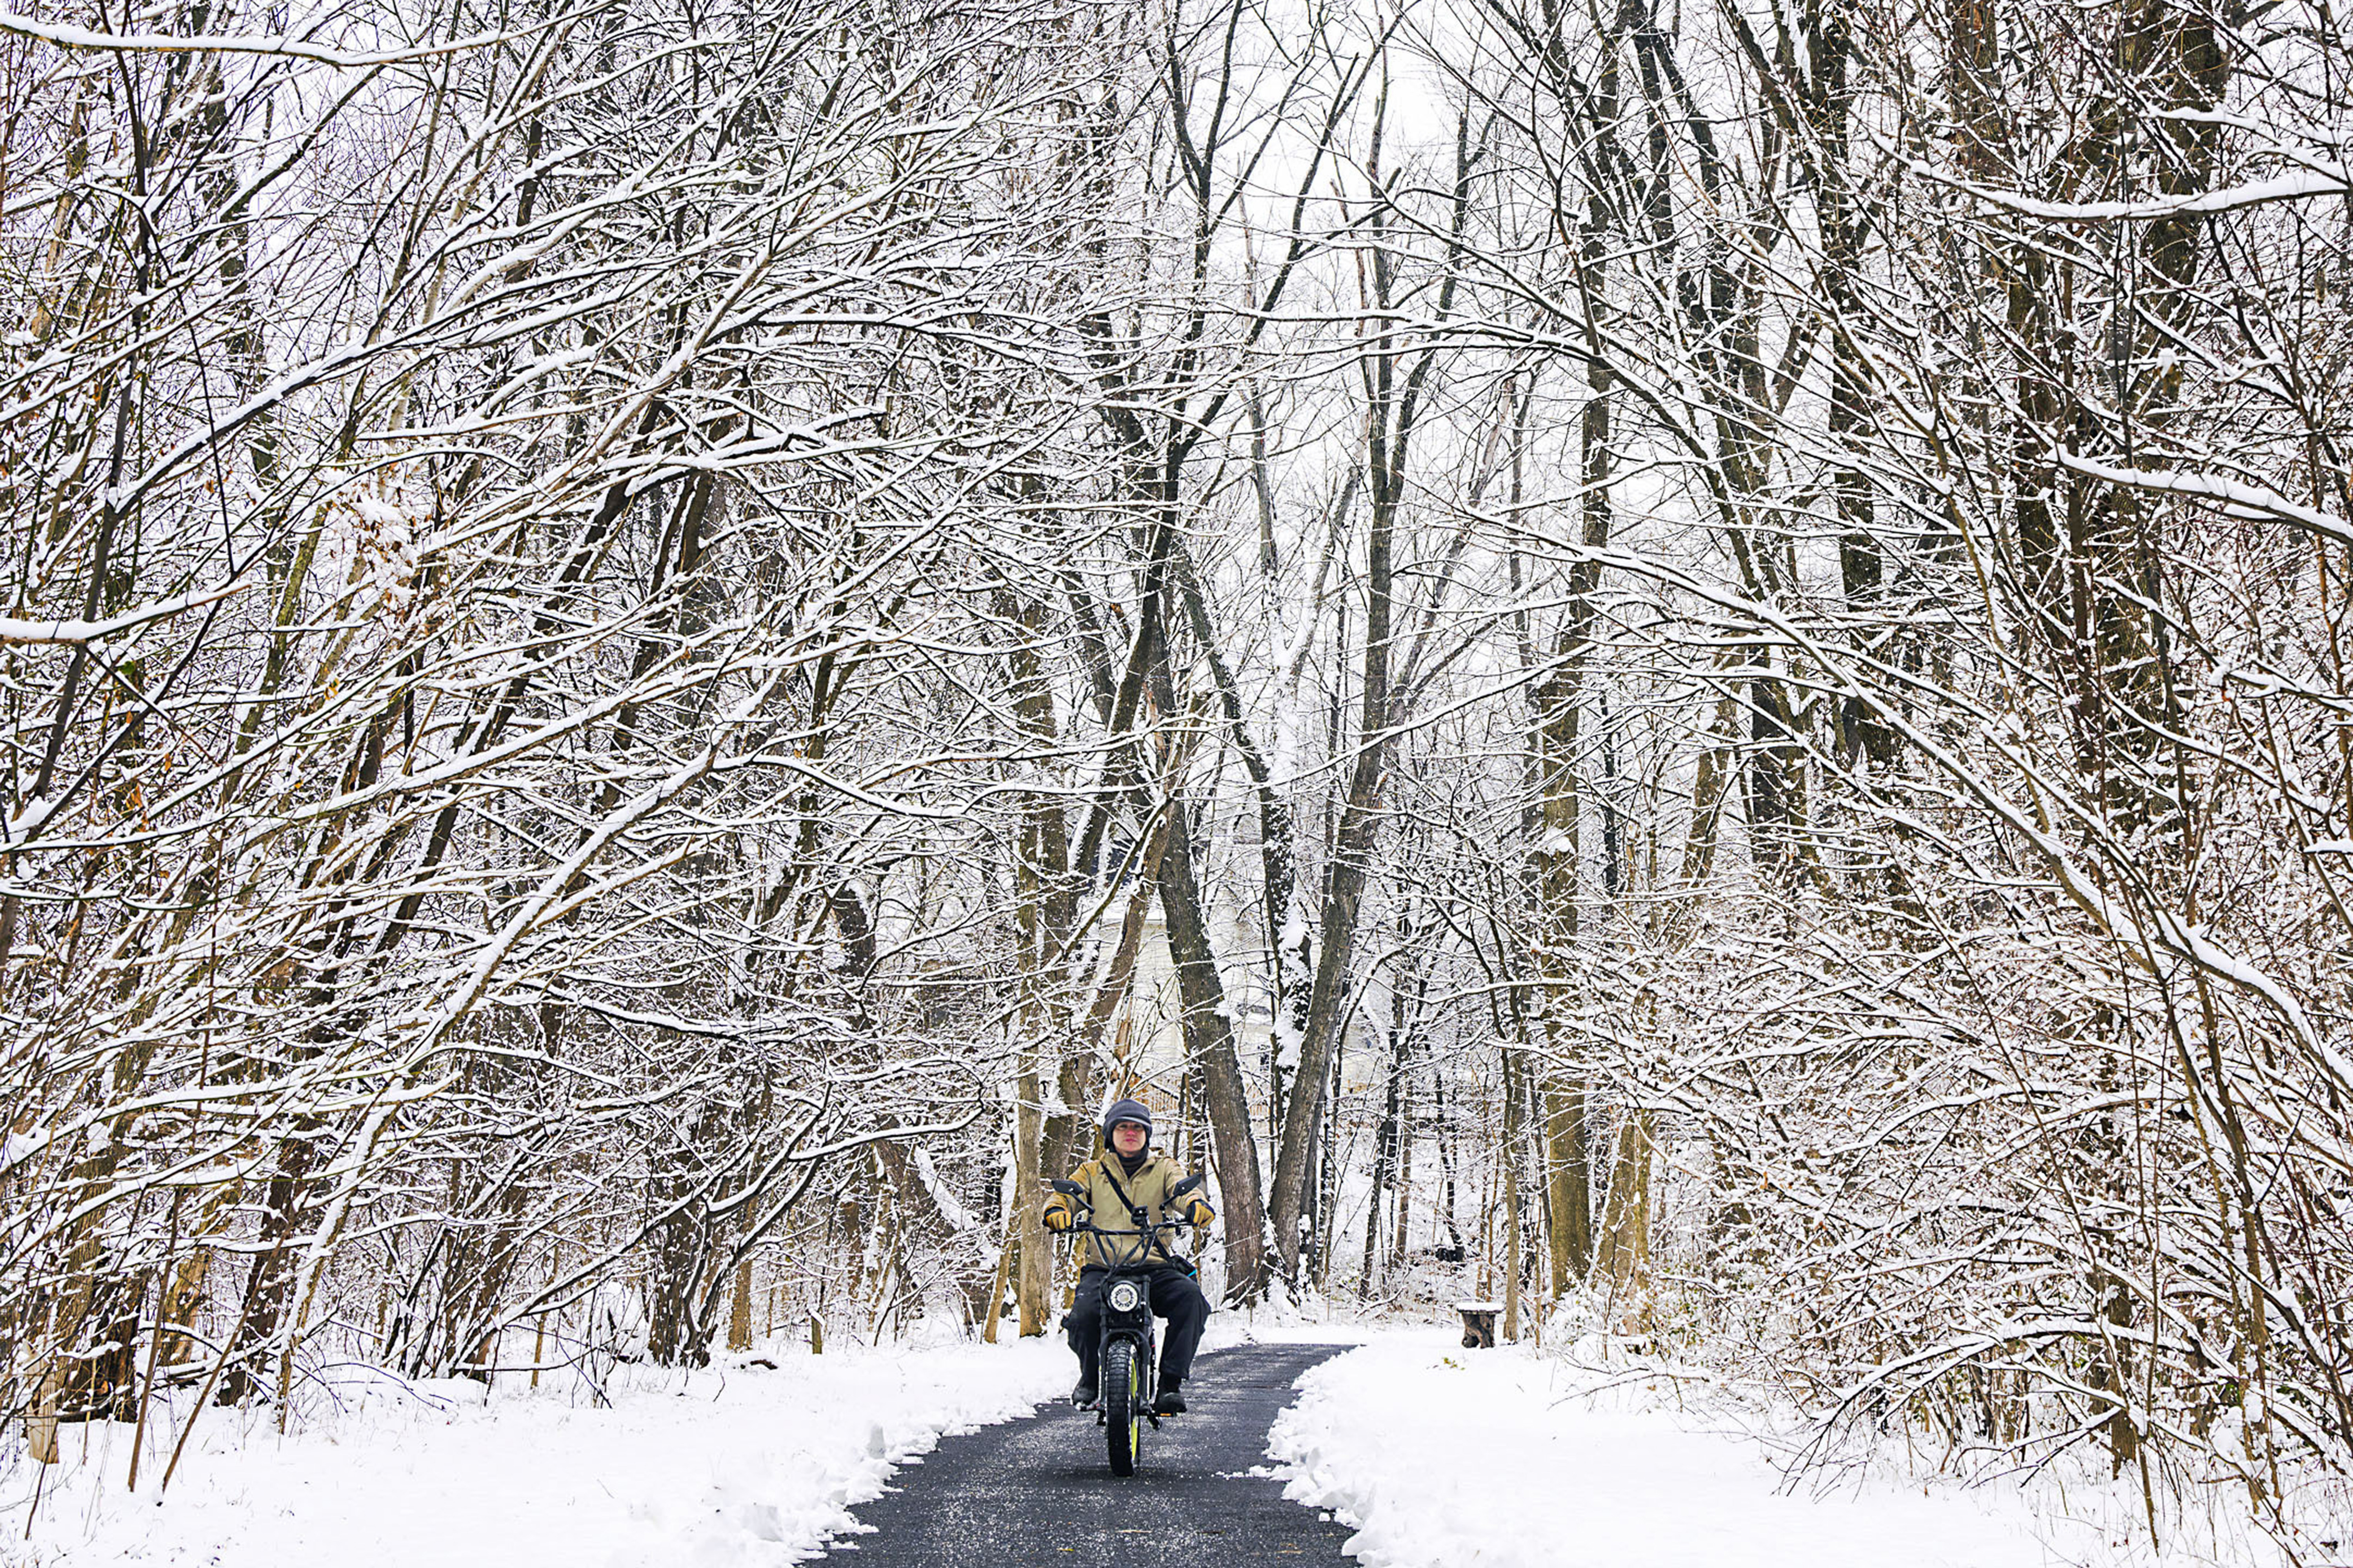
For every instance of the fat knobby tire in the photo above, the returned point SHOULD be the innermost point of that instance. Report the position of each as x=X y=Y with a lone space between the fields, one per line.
x=1122 y=1417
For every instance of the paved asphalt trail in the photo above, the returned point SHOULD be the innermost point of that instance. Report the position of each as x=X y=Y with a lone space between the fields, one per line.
x=1038 y=1493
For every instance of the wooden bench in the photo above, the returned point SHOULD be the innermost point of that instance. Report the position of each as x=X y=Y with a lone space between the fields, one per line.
x=1478 y=1324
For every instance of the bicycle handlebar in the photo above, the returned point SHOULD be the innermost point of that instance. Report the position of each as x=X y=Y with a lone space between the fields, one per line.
x=1138 y=1244
x=1094 y=1229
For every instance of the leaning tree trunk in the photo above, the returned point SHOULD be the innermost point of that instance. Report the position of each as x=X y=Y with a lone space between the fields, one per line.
x=1208 y=1030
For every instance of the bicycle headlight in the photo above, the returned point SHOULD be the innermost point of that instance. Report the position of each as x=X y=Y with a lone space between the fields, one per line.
x=1124 y=1297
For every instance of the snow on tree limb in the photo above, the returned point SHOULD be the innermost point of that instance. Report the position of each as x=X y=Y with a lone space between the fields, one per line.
x=35 y=633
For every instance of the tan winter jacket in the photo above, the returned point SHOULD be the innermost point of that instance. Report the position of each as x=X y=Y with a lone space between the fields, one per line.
x=1149 y=1187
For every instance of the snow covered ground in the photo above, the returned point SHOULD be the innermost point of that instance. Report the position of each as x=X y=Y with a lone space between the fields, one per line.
x=1443 y=1457
x=730 y=1466
x=1438 y=1458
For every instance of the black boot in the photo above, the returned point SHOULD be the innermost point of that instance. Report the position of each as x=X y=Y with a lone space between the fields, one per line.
x=1084 y=1393
x=1170 y=1402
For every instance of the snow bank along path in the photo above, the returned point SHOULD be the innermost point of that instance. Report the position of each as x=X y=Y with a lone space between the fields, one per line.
x=740 y=1466
x=1442 y=1457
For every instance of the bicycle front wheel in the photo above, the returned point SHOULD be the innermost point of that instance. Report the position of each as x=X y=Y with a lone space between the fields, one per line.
x=1123 y=1401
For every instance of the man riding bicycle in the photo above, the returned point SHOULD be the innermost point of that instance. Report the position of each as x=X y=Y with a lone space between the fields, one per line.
x=1128 y=1189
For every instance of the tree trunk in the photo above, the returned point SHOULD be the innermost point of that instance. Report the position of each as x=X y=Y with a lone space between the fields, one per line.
x=1034 y=1260
x=1514 y=1131
x=996 y=1296
x=1624 y=1253
x=739 y=1309
x=269 y=1288
x=1401 y=1228
x=1044 y=916
x=1385 y=1141
x=1209 y=1040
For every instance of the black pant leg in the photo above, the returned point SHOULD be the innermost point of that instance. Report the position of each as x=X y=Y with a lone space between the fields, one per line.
x=1176 y=1296
x=1084 y=1323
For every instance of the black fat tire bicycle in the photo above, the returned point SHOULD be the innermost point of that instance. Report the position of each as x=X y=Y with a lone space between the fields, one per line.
x=1125 y=1364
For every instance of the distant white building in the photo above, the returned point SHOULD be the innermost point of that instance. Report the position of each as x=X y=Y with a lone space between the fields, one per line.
x=1148 y=1038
